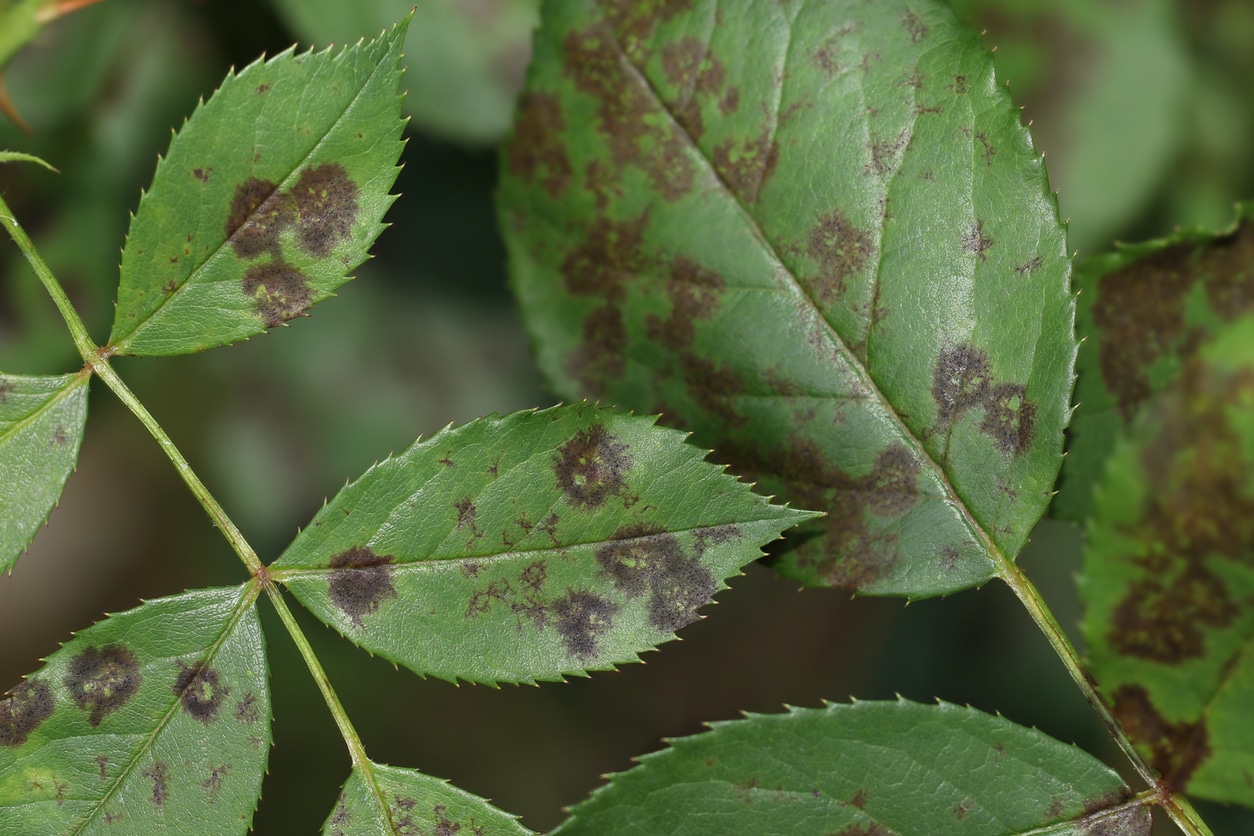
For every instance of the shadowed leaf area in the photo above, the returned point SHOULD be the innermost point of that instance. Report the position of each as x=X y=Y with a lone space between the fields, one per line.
x=839 y=770
x=1145 y=310
x=1169 y=573
x=829 y=251
x=528 y=547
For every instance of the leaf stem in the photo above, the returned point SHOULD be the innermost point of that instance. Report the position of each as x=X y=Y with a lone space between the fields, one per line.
x=1177 y=806
x=356 y=750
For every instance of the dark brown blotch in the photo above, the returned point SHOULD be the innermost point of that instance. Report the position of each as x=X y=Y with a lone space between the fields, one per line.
x=213 y=783
x=279 y=290
x=643 y=559
x=581 y=617
x=697 y=76
x=601 y=354
x=591 y=466
x=962 y=381
x=608 y=257
x=246 y=710
x=841 y=250
x=695 y=293
x=1176 y=749
x=200 y=690
x=975 y=241
x=157 y=773
x=23 y=709
x=714 y=387
x=259 y=213
x=536 y=151
x=746 y=165
x=361 y=582
x=326 y=205
x=103 y=679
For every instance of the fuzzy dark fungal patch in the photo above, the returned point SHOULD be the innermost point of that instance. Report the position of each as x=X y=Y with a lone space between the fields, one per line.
x=841 y=250
x=361 y=582
x=466 y=515
x=1177 y=749
x=279 y=290
x=536 y=152
x=200 y=690
x=246 y=710
x=258 y=215
x=24 y=709
x=644 y=560
x=581 y=617
x=103 y=679
x=591 y=466
x=325 y=199
x=213 y=783
x=962 y=382
x=975 y=241
x=157 y=773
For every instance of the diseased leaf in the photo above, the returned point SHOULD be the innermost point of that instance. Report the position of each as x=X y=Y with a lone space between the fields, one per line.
x=1169 y=575
x=154 y=720
x=529 y=547
x=408 y=802
x=1144 y=311
x=828 y=249
x=41 y=427
x=464 y=61
x=271 y=192
x=866 y=769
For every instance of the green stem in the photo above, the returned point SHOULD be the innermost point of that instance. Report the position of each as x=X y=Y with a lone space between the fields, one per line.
x=355 y=748
x=1177 y=807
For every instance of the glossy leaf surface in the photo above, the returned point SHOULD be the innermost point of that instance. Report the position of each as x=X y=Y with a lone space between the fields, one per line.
x=153 y=720
x=529 y=547
x=1169 y=575
x=271 y=192
x=41 y=427
x=397 y=802
x=1144 y=311
x=866 y=769
x=828 y=248
x=464 y=61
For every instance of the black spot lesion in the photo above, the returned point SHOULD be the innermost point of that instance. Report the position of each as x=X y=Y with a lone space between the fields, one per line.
x=974 y=240
x=326 y=205
x=591 y=467
x=102 y=679
x=962 y=381
x=361 y=582
x=158 y=773
x=280 y=291
x=581 y=617
x=24 y=709
x=201 y=691
x=644 y=560
x=259 y=213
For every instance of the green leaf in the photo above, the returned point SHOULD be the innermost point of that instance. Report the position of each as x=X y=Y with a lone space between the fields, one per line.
x=464 y=61
x=41 y=427
x=272 y=191
x=1169 y=575
x=1143 y=312
x=529 y=547
x=405 y=801
x=829 y=249
x=866 y=769
x=155 y=719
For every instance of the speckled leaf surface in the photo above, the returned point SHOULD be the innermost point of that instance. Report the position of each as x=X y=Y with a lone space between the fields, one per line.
x=529 y=547
x=1144 y=311
x=390 y=801
x=464 y=61
x=154 y=720
x=827 y=248
x=271 y=192
x=866 y=769
x=1169 y=575
x=41 y=427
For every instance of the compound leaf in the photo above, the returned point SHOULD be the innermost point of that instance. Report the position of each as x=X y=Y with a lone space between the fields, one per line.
x=529 y=547
x=866 y=769
x=829 y=249
x=157 y=718
x=1144 y=310
x=41 y=427
x=390 y=801
x=1169 y=575
x=464 y=62
x=271 y=192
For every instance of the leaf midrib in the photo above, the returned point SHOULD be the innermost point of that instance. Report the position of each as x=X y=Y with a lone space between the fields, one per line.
x=121 y=346
x=1000 y=561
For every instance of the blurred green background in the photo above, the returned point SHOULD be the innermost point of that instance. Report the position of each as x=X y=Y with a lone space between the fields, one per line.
x=1143 y=107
